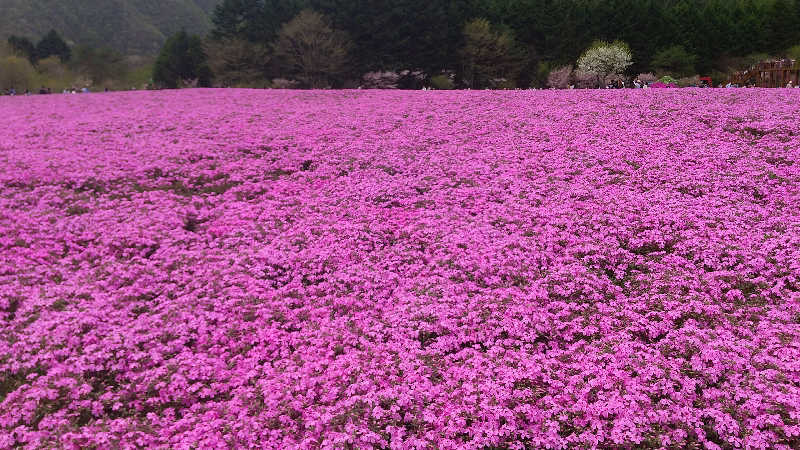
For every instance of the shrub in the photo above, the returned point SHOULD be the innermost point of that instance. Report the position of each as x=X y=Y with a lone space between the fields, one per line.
x=51 y=67
x=411 y=79
x=283 y=83
x=660 y=85
x=666 y=79
x=502 y=83
x=17 y=72
x=138 y=76
x=98 y=64
x=54 y=74
x=692 y=81
x=559 y=78
x=665 y=82
x=442 y=82
x=380 y=80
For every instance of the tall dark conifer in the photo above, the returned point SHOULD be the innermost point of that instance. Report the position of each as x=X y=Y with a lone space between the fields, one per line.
x=52 y=44
x=182 y=58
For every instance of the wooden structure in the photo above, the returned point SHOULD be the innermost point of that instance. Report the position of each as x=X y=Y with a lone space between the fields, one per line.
x=769 y=74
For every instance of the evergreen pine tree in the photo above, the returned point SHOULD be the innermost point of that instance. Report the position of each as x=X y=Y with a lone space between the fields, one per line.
x=181 y=59
x=52 y=44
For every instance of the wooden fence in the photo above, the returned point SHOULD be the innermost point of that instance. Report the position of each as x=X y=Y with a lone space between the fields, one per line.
x=770 y=74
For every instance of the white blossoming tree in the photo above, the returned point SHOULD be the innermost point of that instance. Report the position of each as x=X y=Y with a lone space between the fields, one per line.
x=603 y=59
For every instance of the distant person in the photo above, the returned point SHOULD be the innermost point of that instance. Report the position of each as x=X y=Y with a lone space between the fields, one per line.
x=42 y=91
x=85 y=90
x=789 y=85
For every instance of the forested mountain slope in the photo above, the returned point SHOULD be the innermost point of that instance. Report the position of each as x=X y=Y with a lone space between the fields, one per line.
x=129 y=26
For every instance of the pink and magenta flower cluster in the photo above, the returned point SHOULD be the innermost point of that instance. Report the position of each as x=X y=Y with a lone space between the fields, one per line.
x=530 y=269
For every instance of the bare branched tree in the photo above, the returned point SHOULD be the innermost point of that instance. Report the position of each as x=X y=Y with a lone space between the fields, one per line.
x=309 y=49
x=237 y=62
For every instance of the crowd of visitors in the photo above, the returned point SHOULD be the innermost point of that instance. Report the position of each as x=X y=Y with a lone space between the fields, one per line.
x=617 y=84
x=46 y=90
x=789 y=85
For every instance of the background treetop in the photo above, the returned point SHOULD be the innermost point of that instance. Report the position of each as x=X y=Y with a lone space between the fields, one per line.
x=396 y=34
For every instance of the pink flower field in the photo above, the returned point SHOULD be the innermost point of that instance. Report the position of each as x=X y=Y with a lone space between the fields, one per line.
x=367 y=269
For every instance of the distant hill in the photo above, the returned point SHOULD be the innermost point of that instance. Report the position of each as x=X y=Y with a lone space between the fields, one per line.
x=133 y=27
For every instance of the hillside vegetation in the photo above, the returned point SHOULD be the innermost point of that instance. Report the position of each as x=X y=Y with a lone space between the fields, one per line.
x=129 y=26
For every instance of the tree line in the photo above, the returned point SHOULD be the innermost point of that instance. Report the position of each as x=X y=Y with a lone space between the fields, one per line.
x=445 y=43
x=481 y=43
x=28 y=65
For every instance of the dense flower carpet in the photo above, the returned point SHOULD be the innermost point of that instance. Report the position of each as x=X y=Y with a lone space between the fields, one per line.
x=360 y=269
